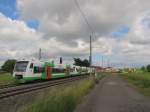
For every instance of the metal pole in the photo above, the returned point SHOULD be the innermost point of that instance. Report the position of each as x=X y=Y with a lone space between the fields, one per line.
x=102 y=61
x=40 y=53
x=90 y=55
x=90 y=50
x=108 y=63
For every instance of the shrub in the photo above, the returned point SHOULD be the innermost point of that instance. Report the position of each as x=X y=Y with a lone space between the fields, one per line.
x=8 y=66
x=148 y=68
x=143 y=68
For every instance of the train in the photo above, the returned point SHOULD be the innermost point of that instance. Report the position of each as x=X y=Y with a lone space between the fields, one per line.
x=31 y=70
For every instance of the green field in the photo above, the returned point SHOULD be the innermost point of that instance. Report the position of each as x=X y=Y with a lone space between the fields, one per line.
x=6 y=78
x=139 y=79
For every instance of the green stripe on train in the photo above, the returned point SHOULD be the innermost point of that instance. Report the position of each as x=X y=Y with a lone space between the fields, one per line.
x=27 y=79
x=58 y=75
x=31 y=78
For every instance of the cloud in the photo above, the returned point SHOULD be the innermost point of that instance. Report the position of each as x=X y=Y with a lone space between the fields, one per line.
x=62 y=19
x=135 y=47
x=16 y=39
x=63 y=32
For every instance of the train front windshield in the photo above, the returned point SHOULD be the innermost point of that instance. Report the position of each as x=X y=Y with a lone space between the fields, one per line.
x=21 y=66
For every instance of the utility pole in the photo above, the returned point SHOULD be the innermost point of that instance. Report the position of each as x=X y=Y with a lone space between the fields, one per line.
x=40 y=53
x=108 y=63
x=90 y=50
x=102 y=61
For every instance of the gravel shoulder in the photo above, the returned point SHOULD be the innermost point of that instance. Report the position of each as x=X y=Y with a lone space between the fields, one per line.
x=113 y=94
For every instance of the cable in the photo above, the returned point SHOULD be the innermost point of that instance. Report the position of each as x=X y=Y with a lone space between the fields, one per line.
x=84 y=17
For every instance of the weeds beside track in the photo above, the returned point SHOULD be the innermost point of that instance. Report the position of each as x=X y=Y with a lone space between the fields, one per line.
x=12 y=91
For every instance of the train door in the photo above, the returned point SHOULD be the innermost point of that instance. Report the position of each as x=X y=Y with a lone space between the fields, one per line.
x=48 y=72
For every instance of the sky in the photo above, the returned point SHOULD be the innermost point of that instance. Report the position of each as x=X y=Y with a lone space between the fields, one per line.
x=121 y=30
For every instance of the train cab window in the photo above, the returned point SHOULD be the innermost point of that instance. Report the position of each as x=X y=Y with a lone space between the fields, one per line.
x=21 y=66
x=31 y=65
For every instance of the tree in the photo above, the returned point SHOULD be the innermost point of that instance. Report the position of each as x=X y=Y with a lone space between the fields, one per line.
x=148 y=68
x=79 y=62
x=8 y=66
x=143 y=68
x=86 y=63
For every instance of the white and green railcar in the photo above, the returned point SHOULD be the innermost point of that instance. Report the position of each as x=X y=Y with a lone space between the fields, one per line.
x=29 y=70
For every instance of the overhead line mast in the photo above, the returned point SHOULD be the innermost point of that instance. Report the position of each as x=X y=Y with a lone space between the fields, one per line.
x=90 y=28
x=40 y=56
x=90 y=50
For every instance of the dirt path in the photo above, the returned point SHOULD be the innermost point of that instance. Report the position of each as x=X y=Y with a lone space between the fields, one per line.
x=113 y=94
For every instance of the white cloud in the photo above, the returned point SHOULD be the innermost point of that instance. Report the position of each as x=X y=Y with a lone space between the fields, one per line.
x=63 y=31
x=16 y=39
x=135 y=47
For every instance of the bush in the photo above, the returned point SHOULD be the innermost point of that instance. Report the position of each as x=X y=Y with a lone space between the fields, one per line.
x=143 y=68
x=8 y=66
x=148 y=68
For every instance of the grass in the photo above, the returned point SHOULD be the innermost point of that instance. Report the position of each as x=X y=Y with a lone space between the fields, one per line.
x=62 y=99
x=6 y=78
x=139 y=79
x=100 y=75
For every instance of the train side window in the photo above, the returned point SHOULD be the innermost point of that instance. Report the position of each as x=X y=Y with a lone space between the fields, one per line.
x=31 y=65
x=56 y=70
x=41 y=69
x=38 y=69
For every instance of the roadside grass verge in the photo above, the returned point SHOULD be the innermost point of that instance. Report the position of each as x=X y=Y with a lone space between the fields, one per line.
x=99 y=76
x=141 y=80
x=6 y=78
x=62 y=99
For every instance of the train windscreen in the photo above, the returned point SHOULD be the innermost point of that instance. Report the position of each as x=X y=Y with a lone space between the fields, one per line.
x=21 y=66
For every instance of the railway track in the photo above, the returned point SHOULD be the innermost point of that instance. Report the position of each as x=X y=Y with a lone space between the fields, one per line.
x=17 y=90
x=7 y=86
x=17 y=84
